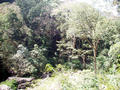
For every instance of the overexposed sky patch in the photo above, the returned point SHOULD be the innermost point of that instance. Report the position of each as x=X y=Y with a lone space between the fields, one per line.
x=104 y=6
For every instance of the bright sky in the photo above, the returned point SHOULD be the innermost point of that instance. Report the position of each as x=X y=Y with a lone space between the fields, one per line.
x=102 y=5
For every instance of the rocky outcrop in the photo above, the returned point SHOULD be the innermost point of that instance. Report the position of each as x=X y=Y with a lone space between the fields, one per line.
x=5 y=87
x=24 y=85
x=20 y=79
x=22 y=82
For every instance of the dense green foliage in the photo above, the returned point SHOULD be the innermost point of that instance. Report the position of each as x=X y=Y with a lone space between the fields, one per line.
x=41 y=38
x=86 y=25
x=11 y=83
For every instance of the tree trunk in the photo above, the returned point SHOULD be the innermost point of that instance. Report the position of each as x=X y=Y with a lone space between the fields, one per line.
x=95 y=52
x=74 y=42
x=84 y=63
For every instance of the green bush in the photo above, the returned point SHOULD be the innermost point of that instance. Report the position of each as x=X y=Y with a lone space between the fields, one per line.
x=109 y=82
x=103 y=63
x=38 y=59
x=74 y=64
x=118 y=64
x=60 y=67
x=114 y=51
x=11 y=83
x=19 y=63
x=114 y=55
x=49 y=68
x=26 y=62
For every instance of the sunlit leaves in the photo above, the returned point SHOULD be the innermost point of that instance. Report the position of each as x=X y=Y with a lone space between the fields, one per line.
x=114 y=51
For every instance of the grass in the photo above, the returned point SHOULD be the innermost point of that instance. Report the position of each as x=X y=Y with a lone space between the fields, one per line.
x=79 y=80
x=11 y=83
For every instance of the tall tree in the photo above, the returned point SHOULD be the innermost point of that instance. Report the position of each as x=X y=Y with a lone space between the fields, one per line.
x=81 y=20
x=36 y=14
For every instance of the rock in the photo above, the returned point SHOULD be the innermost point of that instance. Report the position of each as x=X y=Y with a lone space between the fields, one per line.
x=20 y=79
x=22 y=82
x=23 y=85
x=5 y=87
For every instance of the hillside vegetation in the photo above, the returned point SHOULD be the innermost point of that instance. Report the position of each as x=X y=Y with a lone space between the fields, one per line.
x=64 y=45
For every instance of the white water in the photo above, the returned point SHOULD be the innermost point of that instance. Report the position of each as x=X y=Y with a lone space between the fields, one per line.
x=104 y=6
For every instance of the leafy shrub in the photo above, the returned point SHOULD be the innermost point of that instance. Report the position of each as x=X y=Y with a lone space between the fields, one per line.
x=115 y=66
x=59 y=67
x=11 y=83
x=19 y=64
x=69 y=65
x=37 y=59
x=118 y=64
x=114 y=51
x=114 y=56
x=53 y=60
x=74 y=64
x=26 y=62
x=49 y=68
x=109 y=82
x=103 y=63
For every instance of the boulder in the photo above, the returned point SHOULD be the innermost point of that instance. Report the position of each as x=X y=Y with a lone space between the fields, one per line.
x=5 y=87
x=20 y=79
x=23 y=85
x=22 y=82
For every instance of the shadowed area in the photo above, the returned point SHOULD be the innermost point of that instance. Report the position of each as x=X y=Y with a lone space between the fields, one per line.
x=11 y=1
x=3 y=72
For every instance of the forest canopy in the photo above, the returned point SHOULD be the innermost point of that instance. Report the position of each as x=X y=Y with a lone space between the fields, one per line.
x=46 y=37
